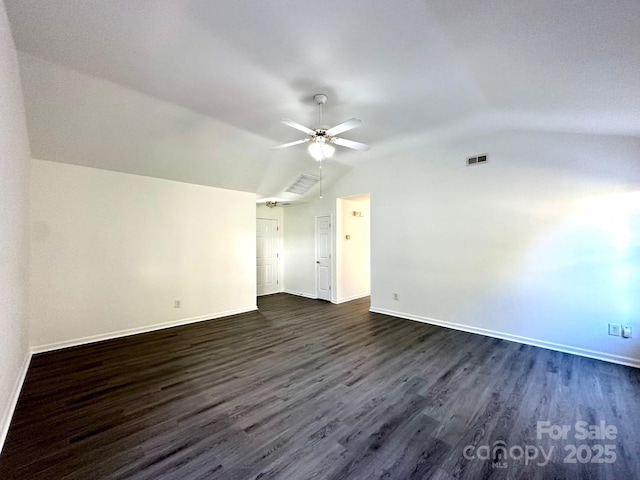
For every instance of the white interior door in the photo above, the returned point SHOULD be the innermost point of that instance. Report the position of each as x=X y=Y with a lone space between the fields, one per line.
x=267 y=256
x=323 y=257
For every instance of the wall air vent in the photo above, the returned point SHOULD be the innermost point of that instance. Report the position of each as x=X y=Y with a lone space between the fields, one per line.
x=303 y=184
x=477 y=159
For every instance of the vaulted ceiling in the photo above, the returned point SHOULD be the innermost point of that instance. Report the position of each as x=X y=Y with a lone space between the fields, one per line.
x=194 y=90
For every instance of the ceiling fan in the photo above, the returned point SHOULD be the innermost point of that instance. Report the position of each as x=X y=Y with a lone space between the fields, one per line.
x=322 y=139
x=272 y=204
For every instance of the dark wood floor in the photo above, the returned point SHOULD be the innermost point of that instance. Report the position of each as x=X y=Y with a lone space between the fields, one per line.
x=305 y=389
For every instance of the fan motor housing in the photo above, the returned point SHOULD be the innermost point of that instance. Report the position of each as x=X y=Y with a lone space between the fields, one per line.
x=320 y=98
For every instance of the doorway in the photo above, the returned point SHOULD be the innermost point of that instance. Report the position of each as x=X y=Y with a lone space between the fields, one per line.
x=353 y=248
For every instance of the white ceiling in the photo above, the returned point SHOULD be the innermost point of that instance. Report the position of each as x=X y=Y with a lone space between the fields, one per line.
x=193 y=91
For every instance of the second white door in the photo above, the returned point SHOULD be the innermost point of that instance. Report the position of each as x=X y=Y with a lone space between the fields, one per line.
x=267 y=256
x=323 y=257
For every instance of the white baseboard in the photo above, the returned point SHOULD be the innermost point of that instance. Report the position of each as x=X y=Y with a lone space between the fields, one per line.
x=300 y=294
x=134 y=331
x=583 y=352
x=336 y=302
x=352 y=297
x=7 y=415
x=270 y=293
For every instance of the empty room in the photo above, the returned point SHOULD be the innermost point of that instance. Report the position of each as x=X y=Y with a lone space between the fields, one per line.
x=335 y=240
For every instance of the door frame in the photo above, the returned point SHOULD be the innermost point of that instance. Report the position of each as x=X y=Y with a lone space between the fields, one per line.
x=332 y=253
x=343 y=214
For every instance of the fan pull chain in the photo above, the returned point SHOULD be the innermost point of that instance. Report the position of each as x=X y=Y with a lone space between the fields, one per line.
x=320 y=180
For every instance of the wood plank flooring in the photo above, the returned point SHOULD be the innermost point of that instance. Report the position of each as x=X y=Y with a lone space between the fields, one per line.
x=305 y=389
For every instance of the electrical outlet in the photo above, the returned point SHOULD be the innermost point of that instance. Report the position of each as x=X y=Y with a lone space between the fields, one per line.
x=176 y=304
x=614 y=329
x=395 y=296
x=626 y=331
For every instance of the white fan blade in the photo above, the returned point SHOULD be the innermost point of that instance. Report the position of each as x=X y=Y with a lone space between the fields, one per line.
x=297 y=126
x=350 y=144
x=291 y=144
x=343 y=127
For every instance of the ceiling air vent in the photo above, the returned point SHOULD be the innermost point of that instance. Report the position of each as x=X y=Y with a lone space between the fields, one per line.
x=303 y=184
x=477 y=159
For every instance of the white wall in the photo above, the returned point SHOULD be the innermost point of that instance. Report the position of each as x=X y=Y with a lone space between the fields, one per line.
x=14 y=229
x=275 y=213
x=112 y=251
x=353 y=255
x=540 y=245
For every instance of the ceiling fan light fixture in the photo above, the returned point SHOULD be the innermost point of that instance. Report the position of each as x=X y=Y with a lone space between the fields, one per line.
x=320 y=149
x=322 y=139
